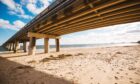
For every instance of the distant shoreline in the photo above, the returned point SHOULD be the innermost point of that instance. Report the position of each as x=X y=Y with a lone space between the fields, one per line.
x=89 y=45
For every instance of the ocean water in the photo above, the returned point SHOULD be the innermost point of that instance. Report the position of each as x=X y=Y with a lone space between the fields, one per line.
x=88 y=45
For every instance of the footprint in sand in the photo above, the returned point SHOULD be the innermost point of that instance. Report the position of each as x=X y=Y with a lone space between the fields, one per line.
x=61 y=75
x=126 y=73
x=131 y=68
x=119 y=53
x=104 y=71
x=116 y=77
x=137 y=72
x=98 y=53
x=51 y=56
x=137 y=83
x=31 y=62
x=130 y=78
x=112 y=69
x=131 y=82
x=91 y=78
x=78 y=54
x=121 y=76
x=117 y=73
x=121 y=69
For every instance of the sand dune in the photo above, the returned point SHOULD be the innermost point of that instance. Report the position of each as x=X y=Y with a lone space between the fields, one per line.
x=114 y=65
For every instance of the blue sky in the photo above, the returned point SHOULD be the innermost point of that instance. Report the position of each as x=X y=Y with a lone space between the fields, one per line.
x=14 y=14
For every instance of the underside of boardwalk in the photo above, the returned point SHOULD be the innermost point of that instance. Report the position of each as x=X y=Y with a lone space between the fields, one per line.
x=69 y=16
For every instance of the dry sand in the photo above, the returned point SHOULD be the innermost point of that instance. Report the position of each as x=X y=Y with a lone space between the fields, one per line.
x=114 y=65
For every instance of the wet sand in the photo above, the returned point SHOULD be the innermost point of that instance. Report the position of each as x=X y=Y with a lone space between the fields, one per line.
x=108 y=65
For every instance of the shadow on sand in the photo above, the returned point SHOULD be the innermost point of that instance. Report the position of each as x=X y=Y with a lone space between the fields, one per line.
x=15 y=73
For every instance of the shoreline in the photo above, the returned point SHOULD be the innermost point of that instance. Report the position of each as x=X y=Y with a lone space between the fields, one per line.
x=91 y=47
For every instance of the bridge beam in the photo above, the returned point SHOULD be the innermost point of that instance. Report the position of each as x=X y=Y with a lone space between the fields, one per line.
x=39 y=35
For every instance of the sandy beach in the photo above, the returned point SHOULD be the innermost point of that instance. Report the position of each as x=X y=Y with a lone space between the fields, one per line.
x=108 y=65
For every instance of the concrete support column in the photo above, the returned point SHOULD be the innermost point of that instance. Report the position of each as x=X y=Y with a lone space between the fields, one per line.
x=46 y=45
x=32 y=46
x=13 y=46
x=7 y=46
x=25 y=46
x=10 y=47
x=57 y=45
x=16 y=46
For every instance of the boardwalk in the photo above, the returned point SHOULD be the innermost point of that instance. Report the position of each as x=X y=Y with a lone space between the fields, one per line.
x=69 y=16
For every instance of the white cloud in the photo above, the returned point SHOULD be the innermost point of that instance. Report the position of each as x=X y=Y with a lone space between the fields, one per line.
x=36 y=6
x=116 y=29
x=32 y=8
x=25 y=16
x=134 y=31
x=15 y=9
x=19 y=24
x=111 y=34
x=15 y=26
x=5 y=24
x=97 y=39
x=10 y=3
x=21 y=15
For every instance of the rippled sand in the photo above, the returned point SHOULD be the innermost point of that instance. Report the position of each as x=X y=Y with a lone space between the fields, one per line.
x=112 y=65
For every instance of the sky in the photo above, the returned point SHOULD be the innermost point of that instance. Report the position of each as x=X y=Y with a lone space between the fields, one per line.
x=15 y=14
